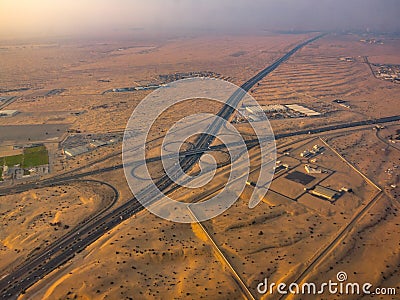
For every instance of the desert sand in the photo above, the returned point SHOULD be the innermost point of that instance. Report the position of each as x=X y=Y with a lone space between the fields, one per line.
x=148 y=258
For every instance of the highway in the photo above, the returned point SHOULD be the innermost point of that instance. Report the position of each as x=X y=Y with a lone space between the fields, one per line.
x=59 y=180
x=4 y=104
x=63 y=250
x=250 y=143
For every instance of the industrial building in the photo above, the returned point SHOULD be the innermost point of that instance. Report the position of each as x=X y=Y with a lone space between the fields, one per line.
x=255 y=110
x=324 y=192
x=316 y=149
x=82 y=149
x=279 y=167
x=76 y=151
x=303 y=110
x=97 y=144
x=276 y=111
x=8 y=113
x=253 y=113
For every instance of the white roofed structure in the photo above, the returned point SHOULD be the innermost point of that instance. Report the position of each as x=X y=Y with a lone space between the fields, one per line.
x=304 y=110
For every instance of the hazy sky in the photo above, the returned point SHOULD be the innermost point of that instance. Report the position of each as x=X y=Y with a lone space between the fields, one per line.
x=69 y=17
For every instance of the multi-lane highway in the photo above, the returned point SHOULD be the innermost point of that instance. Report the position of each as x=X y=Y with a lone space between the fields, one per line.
x=63 y=250
x=199 y=151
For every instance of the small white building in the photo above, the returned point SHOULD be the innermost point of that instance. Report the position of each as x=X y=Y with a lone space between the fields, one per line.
x=8 y=113
x=303 y=110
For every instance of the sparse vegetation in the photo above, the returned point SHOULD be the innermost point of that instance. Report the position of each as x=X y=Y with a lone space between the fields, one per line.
x=35 y=157
x=12 y=160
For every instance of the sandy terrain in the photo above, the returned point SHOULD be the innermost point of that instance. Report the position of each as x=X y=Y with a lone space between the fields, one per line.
x=78 y=69
x=163 y=260
x=285 y=231
x=41 y=216
x=315 y=77
x=147 y=257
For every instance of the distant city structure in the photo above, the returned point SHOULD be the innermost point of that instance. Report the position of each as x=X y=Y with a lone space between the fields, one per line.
x=372 y=41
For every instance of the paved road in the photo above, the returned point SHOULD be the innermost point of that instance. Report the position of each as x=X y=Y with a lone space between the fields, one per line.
x=4 y=104
x=73 y=177
x=35 y=269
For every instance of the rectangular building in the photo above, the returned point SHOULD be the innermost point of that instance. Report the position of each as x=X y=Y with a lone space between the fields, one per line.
x=8 y=113
x=324 y=192
x=303 y=110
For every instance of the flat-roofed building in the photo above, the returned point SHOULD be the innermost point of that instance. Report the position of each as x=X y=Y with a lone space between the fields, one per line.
x=303 y=110
x=71 y=152
x=254 y=113
x=8 y=113
x=324 y=192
